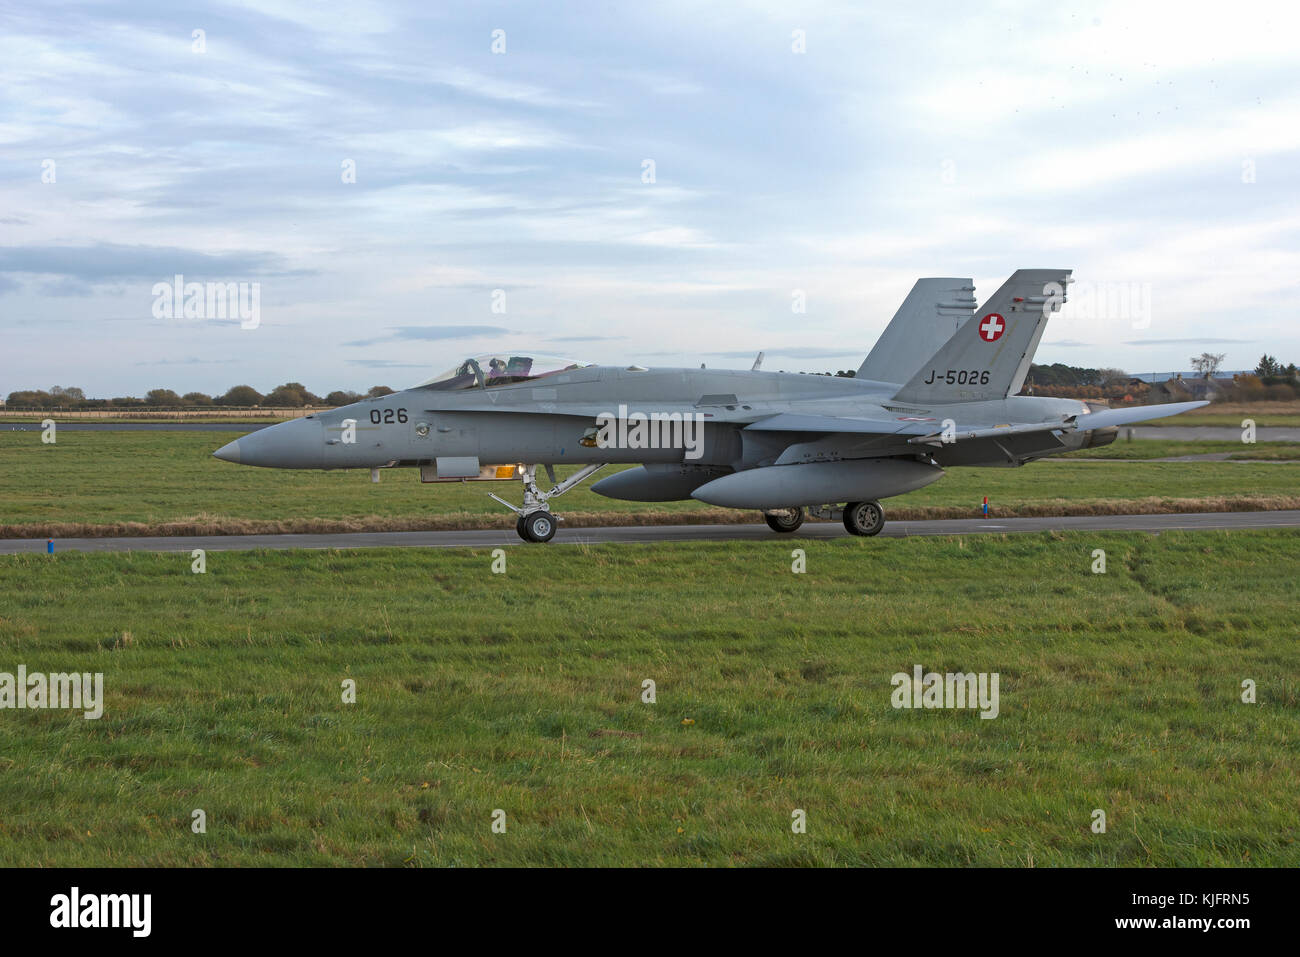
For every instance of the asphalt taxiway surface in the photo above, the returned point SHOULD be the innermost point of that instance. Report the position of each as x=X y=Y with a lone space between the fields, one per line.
x=492 y=538
x=1209 y=433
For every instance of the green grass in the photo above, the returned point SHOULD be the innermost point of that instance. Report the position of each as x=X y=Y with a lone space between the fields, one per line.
x=478 y=691
x=1165 y=448
x=110 y=477
x=1268 y=451
x=33 y=419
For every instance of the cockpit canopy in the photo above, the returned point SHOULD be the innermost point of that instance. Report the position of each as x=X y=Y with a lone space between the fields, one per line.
x=493 y=371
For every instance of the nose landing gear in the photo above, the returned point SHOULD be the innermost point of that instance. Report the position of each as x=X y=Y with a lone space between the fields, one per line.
x=536 y=527
x=536 y=523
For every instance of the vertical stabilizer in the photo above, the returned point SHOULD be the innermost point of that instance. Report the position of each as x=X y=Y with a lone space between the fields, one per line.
x=930 y=315
x=989 y=356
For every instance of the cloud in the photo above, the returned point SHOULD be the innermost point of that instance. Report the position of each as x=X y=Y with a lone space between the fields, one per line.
x=585 y=338
x=107 y=261
x=660 y=84
x=430 y=334
x=1188 y=342
x=384 y=364
x=66 y=286
x=789 y=352
x=435 y=333
x=1137 y=148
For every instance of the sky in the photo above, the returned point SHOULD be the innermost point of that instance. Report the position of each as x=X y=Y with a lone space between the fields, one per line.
x=666 y=184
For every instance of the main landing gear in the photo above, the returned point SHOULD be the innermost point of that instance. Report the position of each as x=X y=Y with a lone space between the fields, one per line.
x=535 y=522
x=860 y=518
x=784 y=519
x=864 y=518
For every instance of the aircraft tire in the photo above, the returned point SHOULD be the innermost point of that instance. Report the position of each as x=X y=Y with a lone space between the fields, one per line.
x=786 y=520
x=864 y=518
x=538 y=527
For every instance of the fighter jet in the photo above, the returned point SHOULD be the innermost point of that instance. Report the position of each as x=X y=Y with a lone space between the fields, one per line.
x=939 y=389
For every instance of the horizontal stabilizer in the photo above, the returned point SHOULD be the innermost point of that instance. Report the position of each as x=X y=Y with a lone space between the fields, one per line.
x=1108 y=418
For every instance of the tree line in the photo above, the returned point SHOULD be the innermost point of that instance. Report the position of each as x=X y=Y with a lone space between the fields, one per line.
x=1270 y=379
x=291 y=395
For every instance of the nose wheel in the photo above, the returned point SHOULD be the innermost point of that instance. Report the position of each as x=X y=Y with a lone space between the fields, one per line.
x=536 y=527
x=535 y=522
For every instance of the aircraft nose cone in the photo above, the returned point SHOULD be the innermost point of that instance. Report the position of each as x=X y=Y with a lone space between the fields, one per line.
x=296 y=444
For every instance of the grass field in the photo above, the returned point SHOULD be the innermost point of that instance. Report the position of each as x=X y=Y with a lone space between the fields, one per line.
x=232 y=417
x=521 y=692
x=140 y=482
x=1164 y=448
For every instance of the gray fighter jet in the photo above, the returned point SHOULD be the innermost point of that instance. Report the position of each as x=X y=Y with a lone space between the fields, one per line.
x=939 y=389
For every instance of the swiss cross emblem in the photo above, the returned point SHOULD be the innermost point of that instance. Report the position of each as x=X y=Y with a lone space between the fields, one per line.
x=991 y=327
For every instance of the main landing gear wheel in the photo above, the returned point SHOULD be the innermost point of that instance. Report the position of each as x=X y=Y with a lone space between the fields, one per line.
x=864 y=518
x=537 y=527
x=784 y=519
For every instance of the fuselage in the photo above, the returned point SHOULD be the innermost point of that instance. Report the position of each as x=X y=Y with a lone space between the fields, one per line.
x=546 y=420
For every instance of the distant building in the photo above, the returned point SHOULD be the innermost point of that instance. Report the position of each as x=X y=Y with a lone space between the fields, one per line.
x=1196 y=387
x=1154 y=377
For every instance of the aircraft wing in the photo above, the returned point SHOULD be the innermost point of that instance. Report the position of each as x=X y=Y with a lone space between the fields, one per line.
x=795 y=422
x=925 y=432
x=1105 y=419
